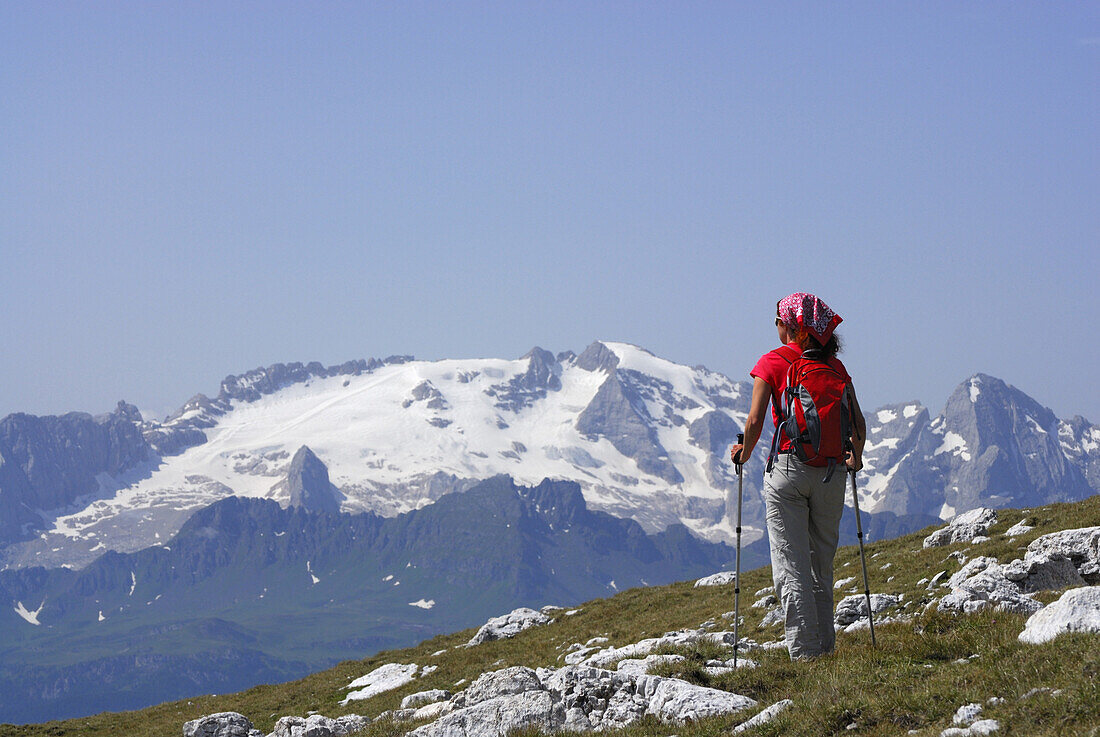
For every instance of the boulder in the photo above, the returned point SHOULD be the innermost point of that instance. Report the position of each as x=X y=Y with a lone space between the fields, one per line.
x=383 y=678
x=980 y=584
x=963 y=528
x=1077 y=611
x=494 y=684
x=854 y=607
x=717 y=579
x=508 y=625
x=222 y=724
x=499 y=716
x=316 y=725
x=1081 y=546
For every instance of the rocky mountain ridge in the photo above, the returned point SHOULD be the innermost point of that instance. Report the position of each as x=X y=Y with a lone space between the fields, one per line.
x=644 y=437
x=249 y=591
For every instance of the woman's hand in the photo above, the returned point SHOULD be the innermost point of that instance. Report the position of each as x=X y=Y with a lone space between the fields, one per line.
x=853 y=462
x=734 y=451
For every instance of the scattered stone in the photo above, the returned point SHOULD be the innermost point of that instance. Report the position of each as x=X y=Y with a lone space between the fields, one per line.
x=844 y=582
x=421 y=698
x=316 y=725
x=1018 y=529
x=1043 y=690
x=963 y=528
x=765 y=716
x=765 y=601
x=1078 y=610
x=508 y=625
x=977 y=729
x=718 y=579
x=433 y=711
x=776 y=645
x=222 y=724
x=936 y=579
x=854 y=607
x=381 y=679
x=967 y=714
x=765 y=591
x=980 y=539
x=773 y=617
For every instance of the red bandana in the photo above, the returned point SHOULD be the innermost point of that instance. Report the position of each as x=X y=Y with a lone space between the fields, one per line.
x=809 y=312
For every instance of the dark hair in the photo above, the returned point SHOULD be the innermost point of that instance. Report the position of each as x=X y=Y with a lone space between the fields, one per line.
x=807 y=341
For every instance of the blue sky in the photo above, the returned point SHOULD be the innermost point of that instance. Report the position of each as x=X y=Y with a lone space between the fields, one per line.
x=189 y=190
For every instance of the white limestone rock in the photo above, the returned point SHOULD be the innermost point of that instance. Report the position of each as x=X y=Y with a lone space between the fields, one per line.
x=773 y=617
x=494 y=684
x=723 y=578
x=854 y=607
x=1018 y=529
x=981 y=584
x=508 y=625
x=1081 y=546
x=222 y=724
x=383 y=678
x=963 y=528
x=609 y=655
x=765 y=716
x=967 y=714
x=977 y=729
x=421 y=698
x=316 y=725
x=765 y=601
x=1078 y=610
x=499 y=716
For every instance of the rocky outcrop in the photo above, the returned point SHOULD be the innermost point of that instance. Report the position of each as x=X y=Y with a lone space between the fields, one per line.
x=981 y=584
x=1078 y=610
x=618 y=414
x=508 y=625
x=317 y=725
x=47 y=463
x=523 y=390
x=574 y=698
x=223 y=724
x=308 y=486
x=966 y=527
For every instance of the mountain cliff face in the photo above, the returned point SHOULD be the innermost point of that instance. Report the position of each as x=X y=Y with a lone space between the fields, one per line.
x=645 y=439
x=51 y=463
x=242 y=588
x=992 y=446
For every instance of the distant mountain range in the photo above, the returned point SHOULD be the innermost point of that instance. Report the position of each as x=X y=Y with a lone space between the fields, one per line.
x=311 y=514
x=645 y=438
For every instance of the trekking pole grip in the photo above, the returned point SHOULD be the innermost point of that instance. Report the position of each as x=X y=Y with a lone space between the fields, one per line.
x=740 y=458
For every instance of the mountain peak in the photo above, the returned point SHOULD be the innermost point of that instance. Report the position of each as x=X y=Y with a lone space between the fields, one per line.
x=308 y=484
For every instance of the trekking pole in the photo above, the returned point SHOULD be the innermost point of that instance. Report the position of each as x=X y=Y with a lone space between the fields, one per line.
x=863 y=559
x=737 y=572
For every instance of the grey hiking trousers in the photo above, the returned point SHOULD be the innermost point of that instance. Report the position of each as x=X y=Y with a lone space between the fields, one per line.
x=803 y=516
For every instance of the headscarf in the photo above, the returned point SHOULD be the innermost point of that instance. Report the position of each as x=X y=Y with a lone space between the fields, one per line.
x=807 y=311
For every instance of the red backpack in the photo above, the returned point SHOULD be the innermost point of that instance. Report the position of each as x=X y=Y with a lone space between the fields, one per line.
x=815 y=412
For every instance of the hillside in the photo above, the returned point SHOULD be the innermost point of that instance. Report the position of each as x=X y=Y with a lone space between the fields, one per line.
x=928 y=662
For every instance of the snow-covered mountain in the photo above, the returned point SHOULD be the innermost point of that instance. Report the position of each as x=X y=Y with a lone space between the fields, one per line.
x=645 y=438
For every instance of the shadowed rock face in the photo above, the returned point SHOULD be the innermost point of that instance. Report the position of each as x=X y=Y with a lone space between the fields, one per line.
x=616 y=413
x=46 y=463
x=309 y=486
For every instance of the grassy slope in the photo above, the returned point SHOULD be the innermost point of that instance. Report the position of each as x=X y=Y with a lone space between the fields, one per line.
x=910 y=682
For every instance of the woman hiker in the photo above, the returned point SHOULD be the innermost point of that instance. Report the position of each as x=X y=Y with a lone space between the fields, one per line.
x=803 y=500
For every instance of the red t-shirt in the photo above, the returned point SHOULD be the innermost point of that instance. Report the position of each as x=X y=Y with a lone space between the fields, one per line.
x=772 y=368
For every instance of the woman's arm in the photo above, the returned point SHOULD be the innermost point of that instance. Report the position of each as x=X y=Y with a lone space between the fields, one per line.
x=859 y=432
x=758 y=410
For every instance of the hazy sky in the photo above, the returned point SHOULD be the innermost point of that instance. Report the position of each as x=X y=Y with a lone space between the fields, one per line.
x=189 y=190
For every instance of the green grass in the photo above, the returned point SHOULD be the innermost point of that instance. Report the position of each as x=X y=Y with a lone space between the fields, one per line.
x=910 y=682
